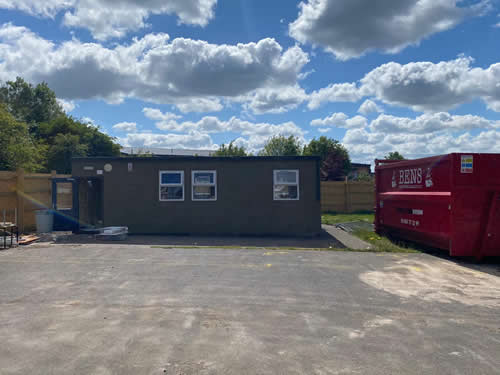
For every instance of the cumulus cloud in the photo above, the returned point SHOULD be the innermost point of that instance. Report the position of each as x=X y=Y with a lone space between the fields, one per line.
x=336 y=92
x=275 y=100
x=194 y=75
x=425 y=135
x=368 y=107
x=422 y=86
x=192 y=140
x=341 y=120
x=129 y=127
x=351 y=28
x=429 y=86
x=66 y=105
x=115 y=18
x=253 y=135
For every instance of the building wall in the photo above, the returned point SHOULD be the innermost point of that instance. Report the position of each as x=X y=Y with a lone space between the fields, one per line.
x=244 y=203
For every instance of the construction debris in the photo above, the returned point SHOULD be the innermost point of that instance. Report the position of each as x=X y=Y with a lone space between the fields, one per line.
x=26 y=240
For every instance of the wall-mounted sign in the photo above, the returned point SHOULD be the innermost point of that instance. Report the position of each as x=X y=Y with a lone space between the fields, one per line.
x=88 y=168
x=108 y=167
x=99 y=171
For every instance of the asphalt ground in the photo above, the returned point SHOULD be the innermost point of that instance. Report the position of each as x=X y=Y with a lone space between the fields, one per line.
x=138 y=309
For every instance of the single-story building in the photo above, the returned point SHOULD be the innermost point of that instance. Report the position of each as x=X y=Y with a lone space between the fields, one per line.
x=201 y=195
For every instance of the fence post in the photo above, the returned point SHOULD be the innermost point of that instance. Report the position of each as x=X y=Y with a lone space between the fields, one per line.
x=20 y=199
x=346 y=196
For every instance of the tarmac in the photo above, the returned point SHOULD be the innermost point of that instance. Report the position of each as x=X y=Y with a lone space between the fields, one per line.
x=139 y=309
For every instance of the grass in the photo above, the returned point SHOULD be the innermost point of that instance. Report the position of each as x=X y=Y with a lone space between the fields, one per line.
x=379 y=243
x=385 y=244
x=333 y=218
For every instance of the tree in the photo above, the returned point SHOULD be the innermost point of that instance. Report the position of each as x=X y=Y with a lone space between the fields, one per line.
x=335 y=161
x=29 y=104
x=394 y=156
x=64 y=148
x=17 y=149
x=280 y=145
x=363 y=176
x=43 y=137
x=230 y=150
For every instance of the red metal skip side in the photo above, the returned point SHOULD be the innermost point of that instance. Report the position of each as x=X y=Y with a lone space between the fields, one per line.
x=450 y=202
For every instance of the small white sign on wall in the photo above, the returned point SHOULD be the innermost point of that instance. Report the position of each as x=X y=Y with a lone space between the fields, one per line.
x=99 y=171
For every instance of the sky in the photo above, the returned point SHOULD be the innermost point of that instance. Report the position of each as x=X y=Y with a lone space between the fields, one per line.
x=421 y=77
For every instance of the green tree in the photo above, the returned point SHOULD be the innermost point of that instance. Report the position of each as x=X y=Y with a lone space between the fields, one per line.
x=281 y=145
x=29 y=104
x=63 y=149
x=363 y=176
x=335 y=161
x=17 y=149
x=394 y=156
x=51 y=136
x=230 y=150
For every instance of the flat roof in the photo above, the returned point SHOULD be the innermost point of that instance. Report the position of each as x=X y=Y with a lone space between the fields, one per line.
x=195 y=158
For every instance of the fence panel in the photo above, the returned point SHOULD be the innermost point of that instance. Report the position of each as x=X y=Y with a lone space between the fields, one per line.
x=346 y=197
x=22 y=194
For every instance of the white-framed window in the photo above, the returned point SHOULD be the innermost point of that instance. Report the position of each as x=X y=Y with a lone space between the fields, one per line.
x=204 y=185
x=171 y=185
x=286 y=185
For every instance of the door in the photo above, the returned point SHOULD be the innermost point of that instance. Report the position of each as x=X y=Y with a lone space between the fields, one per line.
x=65 y=204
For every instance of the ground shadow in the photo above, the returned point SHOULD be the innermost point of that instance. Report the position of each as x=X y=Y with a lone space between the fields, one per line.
x=323 y=241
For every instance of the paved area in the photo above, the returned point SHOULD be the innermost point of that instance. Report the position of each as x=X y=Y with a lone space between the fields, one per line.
x=134 y=309
x=346 y=239
x=324 y=241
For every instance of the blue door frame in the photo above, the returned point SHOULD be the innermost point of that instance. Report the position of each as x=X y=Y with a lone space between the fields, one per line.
x=66 y=219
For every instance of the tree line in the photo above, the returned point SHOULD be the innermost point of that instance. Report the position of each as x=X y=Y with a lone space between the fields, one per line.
x=37 y=135
x=335 y=159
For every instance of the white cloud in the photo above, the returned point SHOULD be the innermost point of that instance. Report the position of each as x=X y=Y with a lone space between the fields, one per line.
x=426 y=86
x=66 y=105
x=194 y=75
x=253 y=134
x=41 y=8
x=275 y=100
x=341 y=120
x=368 y=107
x=425 y=135
x=430 y=123
x=115 y=18
x=351 y=28
x=129 y=127
x=421 y=86
x=336 y=92
x=192 y=140
x=324 y=130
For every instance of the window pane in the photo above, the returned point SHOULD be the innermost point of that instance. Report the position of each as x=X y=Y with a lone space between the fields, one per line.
x=203 y=192
x=286 y=177
x=204 y=178
x=171 y=178
x=64 y=195
x=285 y=192
x=171 y=192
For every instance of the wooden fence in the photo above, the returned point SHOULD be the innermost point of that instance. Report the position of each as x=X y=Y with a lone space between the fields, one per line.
x=347 y=197
x=21 y=194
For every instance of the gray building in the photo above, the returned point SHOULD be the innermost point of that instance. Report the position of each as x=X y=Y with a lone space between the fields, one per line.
x=201 y=195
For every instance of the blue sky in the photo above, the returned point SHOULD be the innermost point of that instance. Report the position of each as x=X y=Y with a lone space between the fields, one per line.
x=418 y=76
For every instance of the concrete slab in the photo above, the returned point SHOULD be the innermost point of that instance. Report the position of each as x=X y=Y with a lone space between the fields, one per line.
x=346 y=239
x=134 y=309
